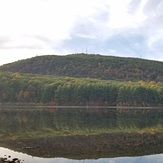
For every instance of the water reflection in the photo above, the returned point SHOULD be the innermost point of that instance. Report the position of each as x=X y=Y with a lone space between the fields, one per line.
x=67 y=121
x=30 y=159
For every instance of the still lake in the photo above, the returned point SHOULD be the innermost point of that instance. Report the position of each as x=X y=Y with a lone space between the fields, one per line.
x=59 y=120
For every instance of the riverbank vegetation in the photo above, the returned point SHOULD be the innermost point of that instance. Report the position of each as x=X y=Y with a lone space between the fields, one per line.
x=53 y=90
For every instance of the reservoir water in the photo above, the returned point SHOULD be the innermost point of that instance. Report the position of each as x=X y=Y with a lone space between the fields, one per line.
x=4 y=152
x=31 y=123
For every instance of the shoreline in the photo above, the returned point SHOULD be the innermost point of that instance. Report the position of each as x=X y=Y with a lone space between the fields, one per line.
x=35 y=105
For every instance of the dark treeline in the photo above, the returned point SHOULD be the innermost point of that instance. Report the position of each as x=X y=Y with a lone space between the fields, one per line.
x=28 y=88
x=92 y=66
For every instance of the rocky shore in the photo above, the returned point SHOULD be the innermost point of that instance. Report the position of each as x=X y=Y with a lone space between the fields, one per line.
x=7 y=160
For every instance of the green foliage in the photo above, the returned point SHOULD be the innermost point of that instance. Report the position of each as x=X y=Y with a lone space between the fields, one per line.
x=92 y=66
x=51 y=90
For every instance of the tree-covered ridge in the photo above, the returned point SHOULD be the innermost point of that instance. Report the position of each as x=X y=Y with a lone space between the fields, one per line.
x=30 y=88
x=92 y=66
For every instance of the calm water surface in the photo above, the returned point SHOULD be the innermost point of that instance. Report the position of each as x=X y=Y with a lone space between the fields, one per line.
x=30 y=159
x=14 y=120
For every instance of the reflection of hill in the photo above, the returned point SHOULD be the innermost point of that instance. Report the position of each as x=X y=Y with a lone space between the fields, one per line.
x=90 y=147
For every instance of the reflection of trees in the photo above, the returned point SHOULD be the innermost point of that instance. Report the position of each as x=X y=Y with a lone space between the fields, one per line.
x=18 y=120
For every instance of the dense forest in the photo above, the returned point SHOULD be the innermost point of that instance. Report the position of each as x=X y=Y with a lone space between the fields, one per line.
x=54 y=90
x=90 y=66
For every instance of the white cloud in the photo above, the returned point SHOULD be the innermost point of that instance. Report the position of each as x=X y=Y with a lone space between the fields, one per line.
x=59 y=26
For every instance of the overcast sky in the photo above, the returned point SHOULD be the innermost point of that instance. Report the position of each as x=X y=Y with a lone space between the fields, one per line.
x=127 y=28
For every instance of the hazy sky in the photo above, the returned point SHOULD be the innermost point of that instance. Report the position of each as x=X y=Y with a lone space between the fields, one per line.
x=130 y=28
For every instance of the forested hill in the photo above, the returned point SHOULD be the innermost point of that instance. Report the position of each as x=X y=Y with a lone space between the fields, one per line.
x=89 y=65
